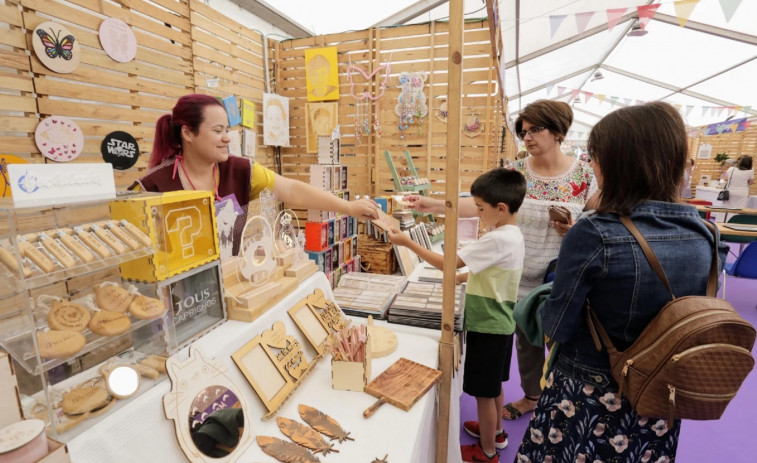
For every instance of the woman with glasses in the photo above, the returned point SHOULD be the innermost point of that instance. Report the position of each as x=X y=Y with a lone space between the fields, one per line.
x=552 y=178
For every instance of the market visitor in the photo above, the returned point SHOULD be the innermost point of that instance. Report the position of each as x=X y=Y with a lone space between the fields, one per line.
x=552 y=179
x=638 y=155
x=494 y=262
x=191 y=152
x=738 y=180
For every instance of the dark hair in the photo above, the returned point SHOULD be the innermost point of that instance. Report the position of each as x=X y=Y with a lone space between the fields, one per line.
x=500 y=185
x=745 y=162
x=189 y=111
x=641 y=152
x=556 y=116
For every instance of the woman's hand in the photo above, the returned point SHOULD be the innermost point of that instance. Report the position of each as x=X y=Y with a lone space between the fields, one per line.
x=363 y=208
x=421 y=203
x=560 y=227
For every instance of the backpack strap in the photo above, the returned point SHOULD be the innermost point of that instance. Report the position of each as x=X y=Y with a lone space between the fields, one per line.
x=651 y=257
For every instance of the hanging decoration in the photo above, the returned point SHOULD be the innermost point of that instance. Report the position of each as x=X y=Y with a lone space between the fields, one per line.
x=56 y=47
x=59 y=138
x=472 y=126
x=386 y=67
x=442 y=112
x=118 y=40
x=275 y=120
x=362 y=120
x=411 y=105
x=321 y=119
x=321 y=74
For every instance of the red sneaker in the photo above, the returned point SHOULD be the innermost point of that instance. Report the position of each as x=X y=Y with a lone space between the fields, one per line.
x=472 y=428
x=473 y=453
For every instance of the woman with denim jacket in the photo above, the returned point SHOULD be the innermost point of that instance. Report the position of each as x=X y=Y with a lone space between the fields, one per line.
x=639 y=155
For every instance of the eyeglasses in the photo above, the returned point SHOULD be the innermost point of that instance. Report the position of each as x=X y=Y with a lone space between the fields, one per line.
x=532 y=131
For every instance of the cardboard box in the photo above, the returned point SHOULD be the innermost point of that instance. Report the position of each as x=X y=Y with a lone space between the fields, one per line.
x=10 y=404
x=317 y=236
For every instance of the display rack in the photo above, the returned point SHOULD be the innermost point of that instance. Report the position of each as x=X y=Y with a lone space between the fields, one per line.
x=406 y=187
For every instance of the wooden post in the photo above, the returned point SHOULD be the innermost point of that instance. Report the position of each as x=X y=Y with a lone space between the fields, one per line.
x=454 y=101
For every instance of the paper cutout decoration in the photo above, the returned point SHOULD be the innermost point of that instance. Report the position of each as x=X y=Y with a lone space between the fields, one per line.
x=321 y=74
x=5 y=159
x=232 y=110
x=120 y=149
x=321 y=119
x=386 y=68
x=275 y=120
x=56 y=47
x=118 y=40
x=249 y=140
x=248 y=113
x=59 y=138
x=411 y=104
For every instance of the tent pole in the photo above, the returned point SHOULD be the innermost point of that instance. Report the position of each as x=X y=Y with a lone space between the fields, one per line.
x=446 y=347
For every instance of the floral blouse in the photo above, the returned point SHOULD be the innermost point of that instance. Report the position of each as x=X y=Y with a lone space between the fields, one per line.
x=574 y=186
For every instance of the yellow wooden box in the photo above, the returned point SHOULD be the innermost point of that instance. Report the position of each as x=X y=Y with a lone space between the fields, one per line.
x=182 y=227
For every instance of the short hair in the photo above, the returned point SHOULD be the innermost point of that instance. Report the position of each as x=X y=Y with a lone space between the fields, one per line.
x=318 y=61
x=556 y=116
x=500 y=185
x=641 y=152
x=745 y=162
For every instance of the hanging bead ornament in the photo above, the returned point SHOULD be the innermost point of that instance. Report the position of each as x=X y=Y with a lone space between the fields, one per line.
x=411 y=105
x=376 y=121
x=362 y=120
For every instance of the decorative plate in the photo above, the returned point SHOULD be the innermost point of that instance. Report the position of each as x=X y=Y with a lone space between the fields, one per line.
x=59 y=138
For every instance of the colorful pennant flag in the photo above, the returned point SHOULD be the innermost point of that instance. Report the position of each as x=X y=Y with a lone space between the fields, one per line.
x=549 y=88
x=684 y=9
x=613 y=16
x=554 y=23
x=646 y=13
x=729 y=8
x=582 y=19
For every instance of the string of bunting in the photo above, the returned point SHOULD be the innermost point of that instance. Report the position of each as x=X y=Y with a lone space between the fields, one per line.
x=683 y=10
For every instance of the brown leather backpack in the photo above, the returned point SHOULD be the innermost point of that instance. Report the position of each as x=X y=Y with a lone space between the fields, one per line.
x=691 y=359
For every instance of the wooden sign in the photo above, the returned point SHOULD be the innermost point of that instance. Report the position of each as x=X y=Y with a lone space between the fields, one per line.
x=118 y=40
x=56 y=47
x=59 y=138
x=401 y=385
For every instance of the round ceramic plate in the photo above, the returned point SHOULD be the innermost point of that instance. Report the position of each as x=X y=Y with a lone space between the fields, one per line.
x=118 y=40
x=120 y=149
x=56 y=47
x=20 y=433
x=59 y=138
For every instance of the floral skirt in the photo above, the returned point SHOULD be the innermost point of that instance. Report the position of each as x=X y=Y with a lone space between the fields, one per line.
x=579 y=422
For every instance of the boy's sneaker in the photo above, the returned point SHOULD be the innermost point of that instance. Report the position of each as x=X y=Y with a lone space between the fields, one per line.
x=473 y=453
x=472 y=428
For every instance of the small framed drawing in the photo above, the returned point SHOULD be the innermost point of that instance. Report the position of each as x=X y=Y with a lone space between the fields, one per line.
x=263 y=371
x=311 y=324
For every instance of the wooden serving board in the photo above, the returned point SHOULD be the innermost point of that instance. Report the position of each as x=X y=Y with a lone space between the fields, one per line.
x=401 y=385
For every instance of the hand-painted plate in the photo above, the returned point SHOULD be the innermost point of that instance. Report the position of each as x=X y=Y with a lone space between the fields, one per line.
x=59 y=138
x=56 y=47
x=118 y=40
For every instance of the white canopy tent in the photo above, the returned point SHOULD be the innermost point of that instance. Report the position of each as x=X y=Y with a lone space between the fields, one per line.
x=555 y=49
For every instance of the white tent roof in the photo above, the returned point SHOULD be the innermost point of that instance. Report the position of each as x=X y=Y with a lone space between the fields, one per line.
x=553 y=49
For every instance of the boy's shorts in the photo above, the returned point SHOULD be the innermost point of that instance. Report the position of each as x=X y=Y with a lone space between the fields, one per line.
x=487 y=363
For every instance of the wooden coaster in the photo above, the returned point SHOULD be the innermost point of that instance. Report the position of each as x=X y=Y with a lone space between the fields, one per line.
x=146 y=308
x=113 y=298
x=66 y=315
x=59 y=344
x=107 y=323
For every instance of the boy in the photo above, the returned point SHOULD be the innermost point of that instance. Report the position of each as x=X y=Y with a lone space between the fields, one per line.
x=495 y=263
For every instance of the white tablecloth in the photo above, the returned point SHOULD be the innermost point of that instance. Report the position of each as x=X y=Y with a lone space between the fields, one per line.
x=139 y=431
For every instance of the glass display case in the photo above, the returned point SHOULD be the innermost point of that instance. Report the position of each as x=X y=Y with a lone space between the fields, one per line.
x=69 y=318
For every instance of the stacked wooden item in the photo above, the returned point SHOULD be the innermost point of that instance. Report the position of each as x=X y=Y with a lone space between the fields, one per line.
x=366 y=294
x=420 y=304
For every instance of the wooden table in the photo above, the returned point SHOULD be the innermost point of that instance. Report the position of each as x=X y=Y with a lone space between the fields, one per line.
x=744 y=211
x=729 y=231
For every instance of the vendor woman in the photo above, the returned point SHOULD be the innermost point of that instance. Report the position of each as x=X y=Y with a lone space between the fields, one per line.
x=191 y=152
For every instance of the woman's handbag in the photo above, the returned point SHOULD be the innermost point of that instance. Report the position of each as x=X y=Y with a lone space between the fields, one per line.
x=725 y=195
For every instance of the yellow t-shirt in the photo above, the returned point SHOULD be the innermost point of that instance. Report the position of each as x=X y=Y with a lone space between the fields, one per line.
x=260 y=179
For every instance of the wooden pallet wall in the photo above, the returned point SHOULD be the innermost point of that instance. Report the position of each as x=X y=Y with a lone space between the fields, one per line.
x=735 y=144
x=181 y=44
x=408 y=48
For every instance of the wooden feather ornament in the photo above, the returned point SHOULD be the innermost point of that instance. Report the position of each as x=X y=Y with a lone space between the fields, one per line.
x=323 y=423
x=285 y=451
x=305 y=436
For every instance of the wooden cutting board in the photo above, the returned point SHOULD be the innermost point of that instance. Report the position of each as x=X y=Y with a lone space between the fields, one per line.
x=401 y=385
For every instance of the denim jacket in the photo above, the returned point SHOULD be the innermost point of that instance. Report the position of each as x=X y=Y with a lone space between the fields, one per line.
x=600 y=261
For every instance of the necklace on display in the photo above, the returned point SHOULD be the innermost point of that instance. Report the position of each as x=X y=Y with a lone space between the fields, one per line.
x=180 y=161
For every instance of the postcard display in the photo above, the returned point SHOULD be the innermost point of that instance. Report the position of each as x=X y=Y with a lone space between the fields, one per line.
x=331 y=238
x=85 y=288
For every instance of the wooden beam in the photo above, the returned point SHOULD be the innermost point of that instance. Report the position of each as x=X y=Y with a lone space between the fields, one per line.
x=454 y=103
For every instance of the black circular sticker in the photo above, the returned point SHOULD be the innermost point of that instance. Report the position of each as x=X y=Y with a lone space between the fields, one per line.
x=120 y=149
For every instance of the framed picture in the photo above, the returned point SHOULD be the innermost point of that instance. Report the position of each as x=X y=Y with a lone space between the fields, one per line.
x=309 y=321
x=264 y=373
